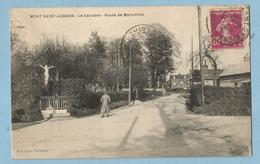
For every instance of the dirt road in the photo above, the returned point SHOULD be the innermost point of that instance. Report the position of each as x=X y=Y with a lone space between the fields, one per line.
x=158 y=128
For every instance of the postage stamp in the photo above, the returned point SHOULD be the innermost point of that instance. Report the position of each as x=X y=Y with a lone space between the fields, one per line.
x=226 y=28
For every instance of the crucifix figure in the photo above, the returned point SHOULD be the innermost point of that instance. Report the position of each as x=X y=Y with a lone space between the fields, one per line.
x=46 y=72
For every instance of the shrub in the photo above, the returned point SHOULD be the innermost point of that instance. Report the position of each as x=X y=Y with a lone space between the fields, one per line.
x=86 y=99
x=26 y=89
x=71 y=86
x=222 y=100
x=87 y=103
x=117 y=96
x=145 y=95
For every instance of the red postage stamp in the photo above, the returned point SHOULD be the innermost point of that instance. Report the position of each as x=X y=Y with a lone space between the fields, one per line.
x=226 y=29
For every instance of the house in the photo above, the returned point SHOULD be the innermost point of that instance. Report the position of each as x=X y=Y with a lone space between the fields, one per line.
x=210 y=75
x=231 y=76
x=179 y=81
x=235 y=75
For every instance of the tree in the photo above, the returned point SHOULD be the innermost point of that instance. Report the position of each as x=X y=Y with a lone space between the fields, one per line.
x=18 y=51
x=94 y=53
x=97 y=44
x=160 y=54
x=53 y=52
x=138 y=65
x=114 y=71
x=26 y=86
x=208 y=55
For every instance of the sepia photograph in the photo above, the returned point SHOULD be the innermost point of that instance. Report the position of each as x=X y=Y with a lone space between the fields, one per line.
x=130 y=82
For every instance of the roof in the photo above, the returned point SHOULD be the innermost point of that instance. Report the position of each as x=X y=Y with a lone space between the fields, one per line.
x=179 y=76
x=180 y=83
x=235 y=69
x=210 y=73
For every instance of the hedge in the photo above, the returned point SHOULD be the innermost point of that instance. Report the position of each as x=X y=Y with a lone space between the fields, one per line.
x=222 y=100
x=86 y=102
x=26 y=90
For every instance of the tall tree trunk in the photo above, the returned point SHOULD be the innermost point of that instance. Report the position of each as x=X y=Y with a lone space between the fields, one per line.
x=215 y=70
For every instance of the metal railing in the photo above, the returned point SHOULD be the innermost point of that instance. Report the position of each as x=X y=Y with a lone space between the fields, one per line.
x=55 y=102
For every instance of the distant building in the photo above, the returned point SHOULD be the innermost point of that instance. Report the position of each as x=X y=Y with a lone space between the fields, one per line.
x=231 y=76
x=179 y=81
x=236 y=74
x=209 y=75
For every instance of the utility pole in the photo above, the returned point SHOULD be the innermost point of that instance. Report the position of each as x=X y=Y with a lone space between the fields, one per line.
x=155 y=50
x=201 y=58
x=130 y=73
x=117 y=66
x=192 y=62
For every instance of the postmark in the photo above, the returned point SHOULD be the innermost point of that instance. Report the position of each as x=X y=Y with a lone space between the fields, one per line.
x=226 y=28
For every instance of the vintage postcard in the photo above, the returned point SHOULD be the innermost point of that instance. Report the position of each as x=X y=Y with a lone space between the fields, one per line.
x=130 y=82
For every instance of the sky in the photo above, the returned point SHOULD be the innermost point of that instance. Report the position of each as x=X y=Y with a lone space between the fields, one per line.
x=181 y=21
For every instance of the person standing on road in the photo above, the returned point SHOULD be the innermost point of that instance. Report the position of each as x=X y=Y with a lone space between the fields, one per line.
x=105 y=100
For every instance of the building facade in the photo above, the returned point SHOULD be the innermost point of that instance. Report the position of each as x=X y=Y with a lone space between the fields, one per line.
x=179 y=81
x=235 y=75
